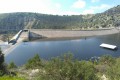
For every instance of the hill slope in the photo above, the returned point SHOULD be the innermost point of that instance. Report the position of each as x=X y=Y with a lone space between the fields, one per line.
x=18 y=21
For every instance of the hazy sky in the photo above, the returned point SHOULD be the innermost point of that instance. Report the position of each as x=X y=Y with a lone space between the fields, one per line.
x=59 y=7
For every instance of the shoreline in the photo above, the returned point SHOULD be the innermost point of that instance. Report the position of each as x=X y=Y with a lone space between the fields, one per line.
x=49 y=35
x=9 y=49
x=70 y=35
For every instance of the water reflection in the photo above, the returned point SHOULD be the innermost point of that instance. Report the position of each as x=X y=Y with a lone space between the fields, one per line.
x=81 y=48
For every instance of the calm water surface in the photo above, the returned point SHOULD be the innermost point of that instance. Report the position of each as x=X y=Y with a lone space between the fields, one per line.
x=81 y=48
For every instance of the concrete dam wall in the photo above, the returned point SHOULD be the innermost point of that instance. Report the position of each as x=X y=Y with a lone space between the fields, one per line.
x=70 y=33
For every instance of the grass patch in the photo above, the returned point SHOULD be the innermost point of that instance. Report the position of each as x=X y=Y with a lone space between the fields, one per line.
x=11 y=78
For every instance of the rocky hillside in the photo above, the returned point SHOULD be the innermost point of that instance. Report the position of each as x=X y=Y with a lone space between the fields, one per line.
x=18 y=21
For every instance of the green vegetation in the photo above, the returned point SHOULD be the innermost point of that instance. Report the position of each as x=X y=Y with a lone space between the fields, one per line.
x=109 y=18
x=113 y=71
x=6 y=74
x=62 y=68
x=11 y=78
x=12 y=65
x=67 y=68
x=2 y=65
x=35 y=62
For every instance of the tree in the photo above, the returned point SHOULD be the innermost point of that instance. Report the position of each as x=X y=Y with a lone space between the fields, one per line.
x=113 y=71
x=66 y=68
x=1 y=57
x=12 y=65
x=2 y=68
x=107 y=59
x=34 y=62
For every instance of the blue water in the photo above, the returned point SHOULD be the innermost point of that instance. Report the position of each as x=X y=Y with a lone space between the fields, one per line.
x=82 y=49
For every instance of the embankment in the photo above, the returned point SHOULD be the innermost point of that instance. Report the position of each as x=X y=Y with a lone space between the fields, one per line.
x=72 y=33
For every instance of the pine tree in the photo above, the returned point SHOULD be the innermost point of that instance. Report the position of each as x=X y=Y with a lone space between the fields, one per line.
x=2 y=69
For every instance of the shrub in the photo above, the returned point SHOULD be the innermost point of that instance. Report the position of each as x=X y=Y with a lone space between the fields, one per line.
x=113 y=71
x=107 y=59
x=34 y=62
x=12 y=65
x=67 y=69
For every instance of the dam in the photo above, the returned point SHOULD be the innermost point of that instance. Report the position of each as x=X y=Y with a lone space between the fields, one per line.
x=52 y=33
x=31 y=34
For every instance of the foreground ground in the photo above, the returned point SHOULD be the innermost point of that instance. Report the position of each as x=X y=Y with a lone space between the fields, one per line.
x=66 y=68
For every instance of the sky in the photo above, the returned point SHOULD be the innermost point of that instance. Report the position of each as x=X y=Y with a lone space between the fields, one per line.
x=57 y=7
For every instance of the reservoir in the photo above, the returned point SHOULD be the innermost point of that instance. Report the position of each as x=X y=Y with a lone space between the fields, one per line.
x=82 y=48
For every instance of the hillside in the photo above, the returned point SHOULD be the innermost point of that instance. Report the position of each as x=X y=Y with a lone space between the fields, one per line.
x=18 y=21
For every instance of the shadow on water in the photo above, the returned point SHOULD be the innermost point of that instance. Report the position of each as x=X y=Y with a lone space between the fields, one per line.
x=111 y=49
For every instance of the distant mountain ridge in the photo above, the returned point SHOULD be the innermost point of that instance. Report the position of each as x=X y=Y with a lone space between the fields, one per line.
x=109 y=18
x=114 y=10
